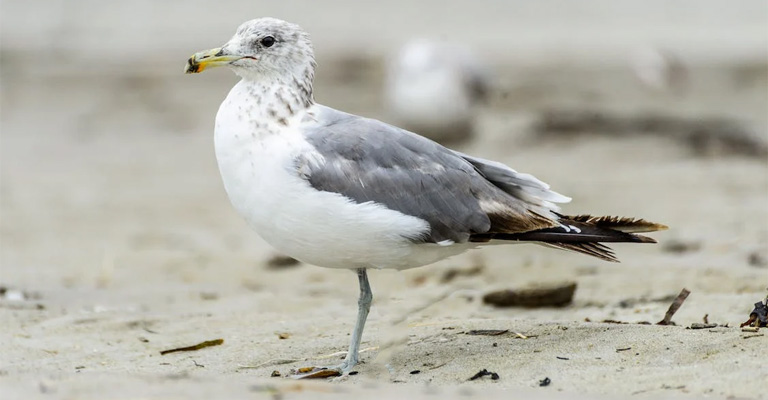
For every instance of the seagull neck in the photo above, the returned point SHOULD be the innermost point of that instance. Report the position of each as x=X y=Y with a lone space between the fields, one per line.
x=281 y=97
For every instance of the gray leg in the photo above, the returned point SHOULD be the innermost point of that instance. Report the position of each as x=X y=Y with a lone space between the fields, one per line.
x=363 y=306
x=353 y=356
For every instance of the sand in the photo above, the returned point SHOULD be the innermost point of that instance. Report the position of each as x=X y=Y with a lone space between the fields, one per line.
x=115 y=227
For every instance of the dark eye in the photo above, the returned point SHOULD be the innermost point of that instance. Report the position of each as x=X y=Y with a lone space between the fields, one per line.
x=268 y=41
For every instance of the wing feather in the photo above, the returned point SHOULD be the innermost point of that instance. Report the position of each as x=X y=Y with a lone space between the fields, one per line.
x=368 y=160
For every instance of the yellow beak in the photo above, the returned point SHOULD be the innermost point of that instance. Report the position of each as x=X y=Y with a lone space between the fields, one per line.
x=208 y=59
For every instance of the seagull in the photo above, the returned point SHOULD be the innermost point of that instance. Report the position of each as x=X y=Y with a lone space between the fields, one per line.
x=435 y=89
x=338 y=190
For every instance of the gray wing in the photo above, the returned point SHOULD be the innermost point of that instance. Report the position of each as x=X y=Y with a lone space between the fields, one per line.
x=523 y=186
x=370 y=161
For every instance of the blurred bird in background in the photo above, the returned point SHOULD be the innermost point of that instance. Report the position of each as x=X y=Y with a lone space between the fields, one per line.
x=660 y=70
x=435 y=89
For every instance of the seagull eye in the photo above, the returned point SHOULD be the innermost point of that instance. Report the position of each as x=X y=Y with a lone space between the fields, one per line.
x=268 y=41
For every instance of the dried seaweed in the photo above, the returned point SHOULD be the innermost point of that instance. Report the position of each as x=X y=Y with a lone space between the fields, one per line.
x=202 y=345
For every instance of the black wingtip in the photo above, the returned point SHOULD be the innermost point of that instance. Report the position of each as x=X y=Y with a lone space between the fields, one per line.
x=593 y=249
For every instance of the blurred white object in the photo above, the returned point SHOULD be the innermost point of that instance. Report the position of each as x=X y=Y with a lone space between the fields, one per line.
x=434 y=89
x=660 y=69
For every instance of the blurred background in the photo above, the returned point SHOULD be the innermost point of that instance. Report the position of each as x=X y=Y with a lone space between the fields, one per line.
x=114 y=222
x=106 y=144
x=654 y=109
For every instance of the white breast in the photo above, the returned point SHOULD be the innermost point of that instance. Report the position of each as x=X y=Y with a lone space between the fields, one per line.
x=256 y=159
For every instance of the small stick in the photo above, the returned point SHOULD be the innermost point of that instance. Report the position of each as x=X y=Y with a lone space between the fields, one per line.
x=207 y=343
x=674 y=307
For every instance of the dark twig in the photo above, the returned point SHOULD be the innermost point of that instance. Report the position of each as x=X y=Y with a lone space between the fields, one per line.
x=207 y=343
x=674 y=307
x=488 y=332
x=483 y=373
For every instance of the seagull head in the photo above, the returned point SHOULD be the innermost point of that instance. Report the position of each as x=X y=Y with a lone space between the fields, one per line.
x=260 y=48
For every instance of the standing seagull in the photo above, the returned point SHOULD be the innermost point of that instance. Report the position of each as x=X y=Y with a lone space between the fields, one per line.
x=341 y=191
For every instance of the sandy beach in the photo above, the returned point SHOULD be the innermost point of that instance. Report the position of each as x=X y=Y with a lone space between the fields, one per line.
x=117 y=240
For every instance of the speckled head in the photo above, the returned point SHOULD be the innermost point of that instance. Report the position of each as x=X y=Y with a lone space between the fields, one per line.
x=262 y=48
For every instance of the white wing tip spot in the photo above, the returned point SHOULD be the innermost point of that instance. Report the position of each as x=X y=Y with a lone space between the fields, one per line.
x=577 y=230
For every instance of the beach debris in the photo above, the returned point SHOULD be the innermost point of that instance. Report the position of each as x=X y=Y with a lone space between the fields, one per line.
x=496 y=332
x=752 y=336
x=613 y=321
x=758 y=317
x=545 y=382
x=698 y=325
x=562 y=358
x=705 y=318
x=488 y=332
x=674 y=307
x=353 y=372
x=314 y=373
x=454 y=273
x=552 y=295
x=275 y=374
x=484 y=372
x=201 y=345
x=415 y=372
x=623 y=349
x=283 y=335
x=279 y=261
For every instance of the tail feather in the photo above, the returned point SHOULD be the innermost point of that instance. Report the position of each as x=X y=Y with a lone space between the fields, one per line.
x=584 y=234
x=593 y=249
x=622 y=224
